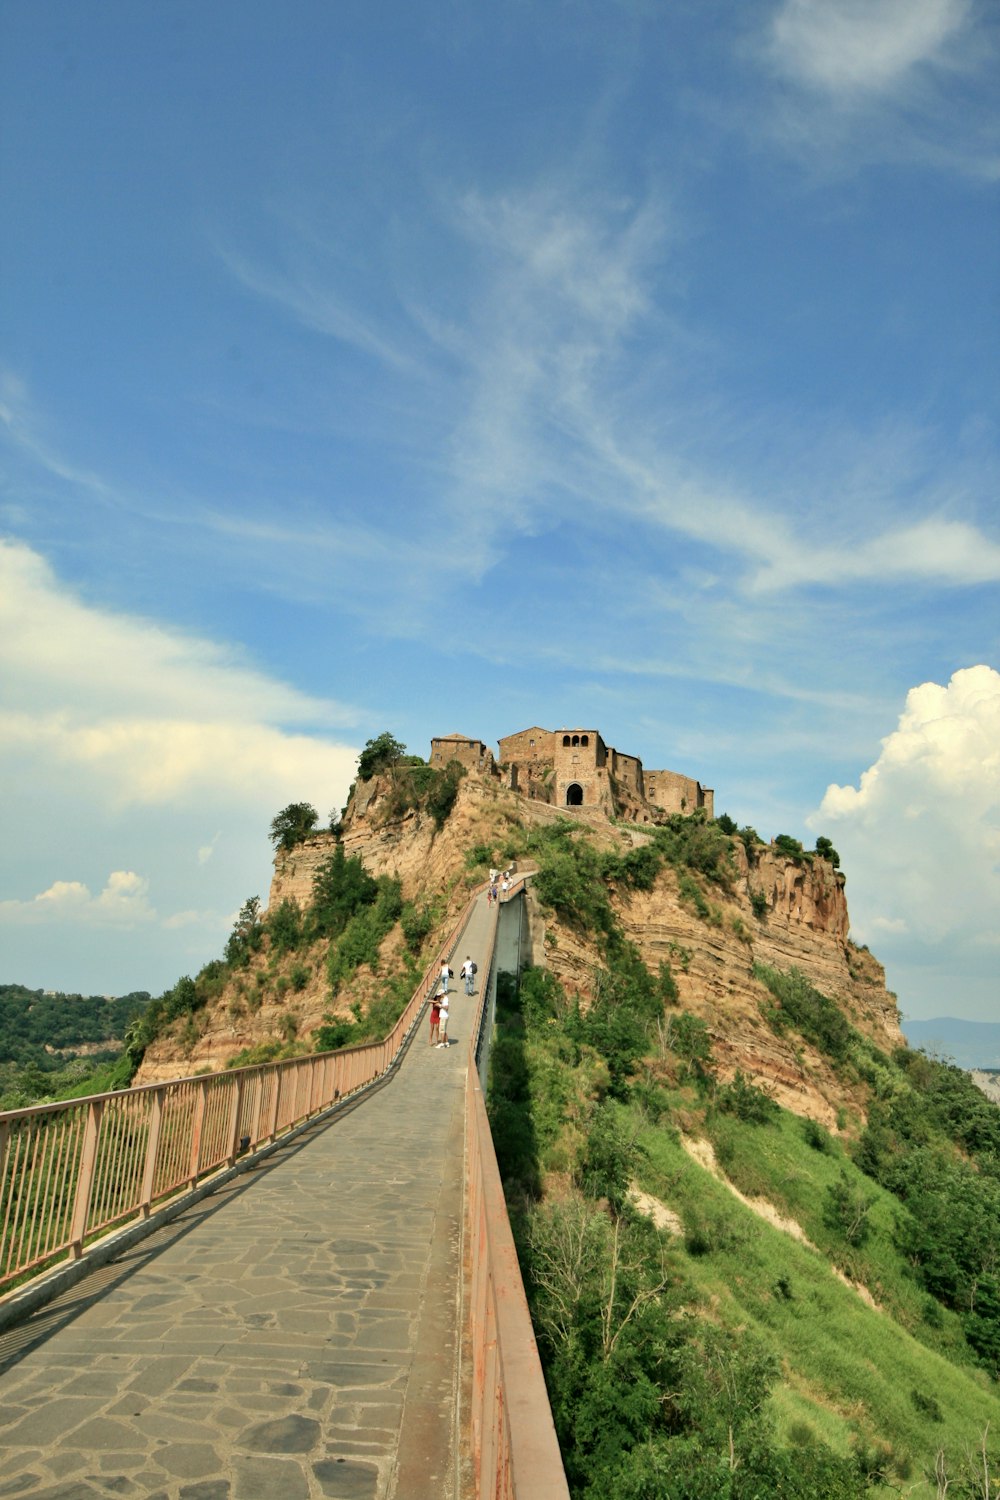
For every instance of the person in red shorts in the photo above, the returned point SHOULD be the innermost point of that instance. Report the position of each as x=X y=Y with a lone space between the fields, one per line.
x=435 y=1020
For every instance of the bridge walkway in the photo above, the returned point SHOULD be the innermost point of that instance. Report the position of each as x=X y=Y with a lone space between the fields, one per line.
x=295 y=1335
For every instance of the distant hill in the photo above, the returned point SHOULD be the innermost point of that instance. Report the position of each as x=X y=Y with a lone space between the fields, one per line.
x=971 y=1044
x=41 y=1027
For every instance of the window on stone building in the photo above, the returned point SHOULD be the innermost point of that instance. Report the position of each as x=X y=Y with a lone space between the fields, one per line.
x=566 y=739
x=585 y=739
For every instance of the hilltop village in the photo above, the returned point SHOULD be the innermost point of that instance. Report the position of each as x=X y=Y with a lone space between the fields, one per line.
x=575 y=768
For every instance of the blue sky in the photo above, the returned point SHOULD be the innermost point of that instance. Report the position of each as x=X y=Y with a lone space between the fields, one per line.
x=442 y=367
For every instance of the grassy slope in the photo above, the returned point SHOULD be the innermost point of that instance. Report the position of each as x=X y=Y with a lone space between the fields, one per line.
x=849 y=1370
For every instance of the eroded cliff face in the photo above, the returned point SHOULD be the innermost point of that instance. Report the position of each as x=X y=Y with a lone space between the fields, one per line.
x=805 y=926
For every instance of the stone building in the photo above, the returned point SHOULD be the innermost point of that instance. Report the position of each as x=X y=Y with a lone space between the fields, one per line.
x=575 y=768
x=472 y=754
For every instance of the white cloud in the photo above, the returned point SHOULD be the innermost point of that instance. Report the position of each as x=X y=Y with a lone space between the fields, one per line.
x=146 y=714
x=920 y=833
x=125 y=745
x=53 y=645
x=863 y=46
x=124 y=902
x=207 y=850
x=934 y=550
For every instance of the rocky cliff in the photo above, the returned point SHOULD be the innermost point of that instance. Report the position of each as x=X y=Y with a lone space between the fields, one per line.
x=778 y=911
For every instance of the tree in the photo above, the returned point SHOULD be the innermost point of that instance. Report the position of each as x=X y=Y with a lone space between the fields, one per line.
x=379 y=755
x=293 y=824
x=246 y=935
x=846 y=1208
x=825 y=850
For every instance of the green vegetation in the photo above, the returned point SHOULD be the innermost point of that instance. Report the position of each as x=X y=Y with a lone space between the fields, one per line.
x=380 y=754
x=42 y=1037
x=293 y=824
x=727 y=1359
x=825 y=850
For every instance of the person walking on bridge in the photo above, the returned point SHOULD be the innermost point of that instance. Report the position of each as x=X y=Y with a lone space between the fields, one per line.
x=468 y=972
x=446 y=974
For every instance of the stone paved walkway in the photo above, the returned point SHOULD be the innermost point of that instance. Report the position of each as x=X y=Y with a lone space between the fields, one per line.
x=295 y=1335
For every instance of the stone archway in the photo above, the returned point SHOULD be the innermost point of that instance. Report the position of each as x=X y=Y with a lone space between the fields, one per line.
x=574 y=794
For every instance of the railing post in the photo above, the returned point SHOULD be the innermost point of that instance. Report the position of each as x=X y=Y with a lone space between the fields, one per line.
x=272 y=1113
x=235 y=1109
x=85 y=1181
x=196 y=1129
x=152 y=1152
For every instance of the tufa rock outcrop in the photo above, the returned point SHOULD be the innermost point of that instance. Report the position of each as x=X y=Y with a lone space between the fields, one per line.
x=778 y=911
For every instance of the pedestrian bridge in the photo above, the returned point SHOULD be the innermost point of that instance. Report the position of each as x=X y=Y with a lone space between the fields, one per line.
x=292 y=1281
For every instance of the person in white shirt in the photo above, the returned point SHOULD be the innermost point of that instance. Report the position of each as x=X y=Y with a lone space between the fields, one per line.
x=468 y=973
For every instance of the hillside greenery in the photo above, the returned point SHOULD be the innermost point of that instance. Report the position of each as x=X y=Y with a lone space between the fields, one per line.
x=726 y=1355
x=59 y=1046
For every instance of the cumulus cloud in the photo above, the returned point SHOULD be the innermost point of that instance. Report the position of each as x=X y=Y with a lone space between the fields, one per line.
x=124 y=901
x=920 y=832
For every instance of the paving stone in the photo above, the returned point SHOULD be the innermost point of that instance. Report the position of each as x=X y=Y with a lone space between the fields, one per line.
x=101 y=1434
x=20 y=1483
x=347 y=1479
x=190 y=1460
x=284 y=1435
x=269 y=1479
x=73 y=1489
x=50 y=1422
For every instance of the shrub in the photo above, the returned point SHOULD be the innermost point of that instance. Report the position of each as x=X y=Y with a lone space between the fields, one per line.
x=746 y=1101
x=759 y=904
x=416 y=922
x=825 y=850
x=284 y=927
x=293 y=824
x=846 y=1208
x=811 y=1014
x=611 y=1158
x=341 y=887
x=816 y=1136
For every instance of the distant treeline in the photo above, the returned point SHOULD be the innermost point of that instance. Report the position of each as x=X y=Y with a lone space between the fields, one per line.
x=33 y=1020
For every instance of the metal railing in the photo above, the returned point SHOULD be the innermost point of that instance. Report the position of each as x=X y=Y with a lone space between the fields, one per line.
x=72 y=1172
x=515 y=1451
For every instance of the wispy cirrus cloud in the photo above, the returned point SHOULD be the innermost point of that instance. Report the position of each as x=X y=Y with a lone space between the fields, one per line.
x=863 y=47
x=869 y=81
